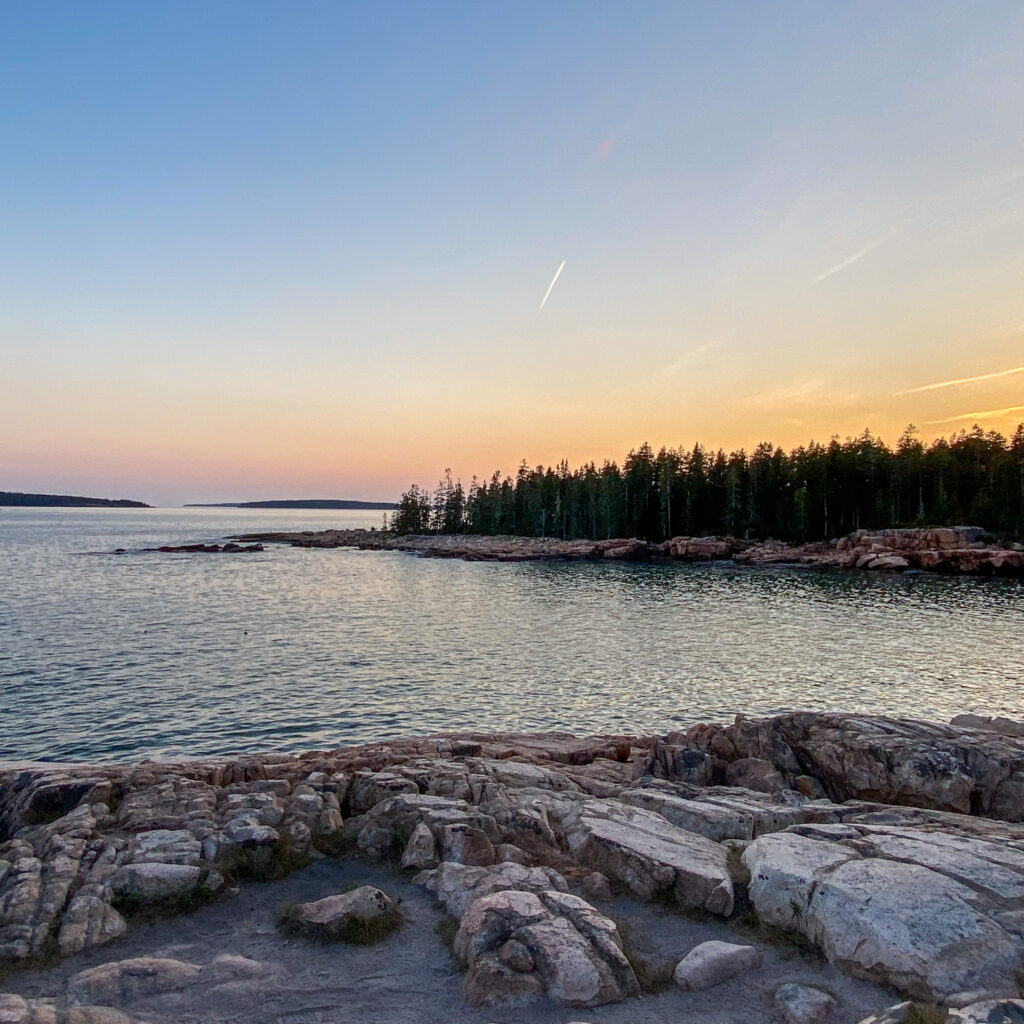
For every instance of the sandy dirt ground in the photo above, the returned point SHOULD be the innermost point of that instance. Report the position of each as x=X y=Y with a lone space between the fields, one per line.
x=410 y=978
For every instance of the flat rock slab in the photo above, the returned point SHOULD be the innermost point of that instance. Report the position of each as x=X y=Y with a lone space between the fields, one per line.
x=649 y=855
x=931 y=927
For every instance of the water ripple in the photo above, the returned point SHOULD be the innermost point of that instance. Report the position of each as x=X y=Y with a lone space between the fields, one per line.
x=126 y=656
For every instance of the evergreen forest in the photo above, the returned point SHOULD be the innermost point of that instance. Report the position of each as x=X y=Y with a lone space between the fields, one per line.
x=815 y=492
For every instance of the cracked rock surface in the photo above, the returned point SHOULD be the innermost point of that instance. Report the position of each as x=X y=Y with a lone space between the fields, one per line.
x=848 y=832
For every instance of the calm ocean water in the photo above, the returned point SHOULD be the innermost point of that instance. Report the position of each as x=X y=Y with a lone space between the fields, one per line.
x=117 y=657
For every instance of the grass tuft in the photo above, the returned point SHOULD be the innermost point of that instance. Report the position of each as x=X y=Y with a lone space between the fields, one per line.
x=925 y=1013
x=134 y=907
x=263 y=863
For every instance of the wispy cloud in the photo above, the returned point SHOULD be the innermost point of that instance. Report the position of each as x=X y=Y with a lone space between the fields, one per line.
x=1010 y=332
x=847 y=262
x=787 y=393
x=691 y=357
x=961 y=380
x=988 y=414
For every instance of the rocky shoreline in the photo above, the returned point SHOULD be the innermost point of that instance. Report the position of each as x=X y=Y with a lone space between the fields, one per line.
x=959 y=550
x=891 y=849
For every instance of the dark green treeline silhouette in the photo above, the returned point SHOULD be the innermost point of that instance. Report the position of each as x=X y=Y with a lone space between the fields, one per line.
x=815 y=492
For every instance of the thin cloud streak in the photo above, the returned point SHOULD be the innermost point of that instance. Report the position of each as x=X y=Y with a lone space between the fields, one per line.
x=690 y=357
x=988 y=414
x=842 y=266
x=561 y=267
x=960 y=380
x=787 y=393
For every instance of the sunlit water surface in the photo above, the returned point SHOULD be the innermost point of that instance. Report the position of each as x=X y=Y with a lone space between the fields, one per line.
x=114 y=657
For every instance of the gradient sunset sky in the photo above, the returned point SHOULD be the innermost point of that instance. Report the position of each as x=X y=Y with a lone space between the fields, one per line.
x=254 y=250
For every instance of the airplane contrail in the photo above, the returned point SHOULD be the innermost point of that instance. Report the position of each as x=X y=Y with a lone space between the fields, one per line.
x=561 y=266
x=986 y=415
x=960 y=380
x=842 y=266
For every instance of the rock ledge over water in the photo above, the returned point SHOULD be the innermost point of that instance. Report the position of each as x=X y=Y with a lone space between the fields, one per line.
x=961 y=550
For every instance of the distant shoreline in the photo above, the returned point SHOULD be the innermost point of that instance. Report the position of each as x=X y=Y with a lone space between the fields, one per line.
x=19 y=499
x=301 y=503
x=960 y=550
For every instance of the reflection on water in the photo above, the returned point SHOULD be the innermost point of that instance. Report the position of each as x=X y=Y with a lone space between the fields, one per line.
x=107 y=656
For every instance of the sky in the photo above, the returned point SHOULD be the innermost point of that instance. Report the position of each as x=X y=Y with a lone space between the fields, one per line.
x=265 y=250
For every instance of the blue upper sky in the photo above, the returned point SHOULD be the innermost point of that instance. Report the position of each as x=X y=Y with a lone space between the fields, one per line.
x=308 y=241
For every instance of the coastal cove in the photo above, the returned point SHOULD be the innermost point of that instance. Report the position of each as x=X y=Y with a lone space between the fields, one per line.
x=108 y=657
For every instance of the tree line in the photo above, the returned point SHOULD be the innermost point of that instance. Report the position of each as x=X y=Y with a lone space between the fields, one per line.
x=814 y=492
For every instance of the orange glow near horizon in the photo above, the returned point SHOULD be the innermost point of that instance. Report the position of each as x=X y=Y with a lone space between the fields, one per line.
x=245 y=268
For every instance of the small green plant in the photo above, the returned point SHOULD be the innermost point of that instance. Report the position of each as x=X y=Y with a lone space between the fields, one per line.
x=333 y=844
x=925 y=1013
x=263 y=863
x=133 y=906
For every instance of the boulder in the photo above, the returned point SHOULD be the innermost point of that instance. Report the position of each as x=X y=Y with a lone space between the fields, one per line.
x=784 y=870
x=803 y=1004
x=122 y=981
x=164 y=846
x=18 y=1010
x=464 y=844
x=457 y=885
x=573 y=951
x=986 y=1011
x=596 y=886
x=388 y=826
x=713 y=962
x=755 y=773
x=421 y=850
x=365 y=914
x=232 y=967
x=89 y=921
x=155 y=882
x=888 y=760
x=368 y=789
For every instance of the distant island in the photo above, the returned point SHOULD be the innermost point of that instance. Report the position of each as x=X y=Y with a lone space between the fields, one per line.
x=17 y=498
x=328 y=503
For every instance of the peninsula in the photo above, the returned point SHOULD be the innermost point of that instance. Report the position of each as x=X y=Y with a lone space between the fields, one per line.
x=962 y=549
x=551 y=870
x=304 y=503
x=20 y=499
